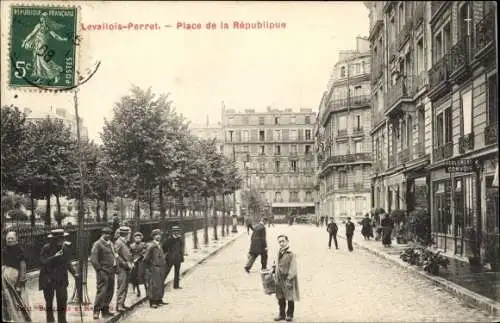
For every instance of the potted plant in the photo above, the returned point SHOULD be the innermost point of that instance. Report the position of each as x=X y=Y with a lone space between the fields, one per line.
x=472 y=246
x=492 y=250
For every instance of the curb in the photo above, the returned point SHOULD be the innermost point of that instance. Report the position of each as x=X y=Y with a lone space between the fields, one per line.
x=469 y=297
x=122 y=315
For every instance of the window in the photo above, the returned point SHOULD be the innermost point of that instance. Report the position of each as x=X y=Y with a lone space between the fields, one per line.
x=357 y=122
x=466 y=101
x=358 y=175
x=343 y=206
x=262 y=150
x=308 y=196
x=277 y=165
x=230 y=135
x=442 y=207
x=359 y=205
x=293 y=135
x=293 y=149
x=308 y=134
x=342 y=124
x=276 y=120
x=377 y=149
x=420 y=56
x=492 y=92
x=245 y=135
x=308 y=164
x=307 y=149
x=293 y=120
x=262 y=166
x=342 y=179
x=277 y=196
x=463 y=197
x=293 y=166
x=342 y=71
x=401 y=16
x=277 y=180
x=277 y=150
x=439 y=130
x=358 y=90
x=261 y=121
x=294 y=196
x=358 y=147
x=308 y=120
x=277 y=135
x=465 y=25
x=358 y=68
x=262 y=136
x=447 y=125
x=244 y=149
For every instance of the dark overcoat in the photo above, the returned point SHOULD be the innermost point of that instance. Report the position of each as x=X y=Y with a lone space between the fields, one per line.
x=174 y=250
x=54 y=272
x=154 y=268
x=258 y=243
x=286 y=270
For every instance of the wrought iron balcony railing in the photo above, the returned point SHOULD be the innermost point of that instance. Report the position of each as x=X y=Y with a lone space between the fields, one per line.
x=404 y=155
x=405 y=34
x=347 y=159
x=342 y=132
x=490 y=134
x=439 y=71
x=466 y=142
x=443 y=152
x=403 y=89
x=378 y=165
x=357 y=131
x=418 y=150
x=485 y=32
x=460 y=55
x=393 y=159
x=357 y=100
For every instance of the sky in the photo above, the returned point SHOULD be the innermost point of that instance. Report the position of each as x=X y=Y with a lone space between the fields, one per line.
x=246 y=69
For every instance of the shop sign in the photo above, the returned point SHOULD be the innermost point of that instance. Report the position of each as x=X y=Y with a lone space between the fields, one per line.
x=462 y=165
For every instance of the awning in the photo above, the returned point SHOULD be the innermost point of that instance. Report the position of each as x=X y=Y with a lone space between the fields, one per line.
x=292 y=204
x=495 y=179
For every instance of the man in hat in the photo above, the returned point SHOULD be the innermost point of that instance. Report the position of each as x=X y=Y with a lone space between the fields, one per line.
x=103 y=259
x=349 y=232
x=174 y=251
x=55 y=259
x=154 y=265
x=125 y=264
x=258 y=246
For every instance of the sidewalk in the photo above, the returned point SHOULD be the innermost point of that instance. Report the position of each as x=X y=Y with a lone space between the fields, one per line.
x=480 y=289
x=193 y=258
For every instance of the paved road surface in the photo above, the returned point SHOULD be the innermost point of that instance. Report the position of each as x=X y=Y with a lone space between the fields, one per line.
x=335 y=286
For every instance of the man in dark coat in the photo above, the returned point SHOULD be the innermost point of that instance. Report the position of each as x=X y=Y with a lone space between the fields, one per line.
x=103 y=259
x=125 y=264
x=154 y=267
x=349 y=232
x=174 y=254
x=258 y=246
x=332 y=229
x=55 y=260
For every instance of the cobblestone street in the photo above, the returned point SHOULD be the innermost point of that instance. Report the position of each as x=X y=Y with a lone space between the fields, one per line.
x=335 y=286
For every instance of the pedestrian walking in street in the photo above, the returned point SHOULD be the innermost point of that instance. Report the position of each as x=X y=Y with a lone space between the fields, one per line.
x=258 y=246
x=387 y=227
x=332 y=230
x=15 y=304
x=55 y=260
x=349 y=232
x=125 y=265
x=249 y=225
x=174 y=253
x=287 y=283
x=154 y=265
x=138 y=250
x=104 y=260
x=366 y=227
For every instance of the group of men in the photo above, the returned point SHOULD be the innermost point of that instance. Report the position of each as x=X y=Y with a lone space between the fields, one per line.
x=332 y=230
x=109 y=259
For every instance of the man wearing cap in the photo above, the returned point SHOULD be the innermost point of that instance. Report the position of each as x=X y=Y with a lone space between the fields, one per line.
x=55 y=259
x=349 y=232
x=124 y=259
x=154 y=265
x=174 y=251
x=103 y=259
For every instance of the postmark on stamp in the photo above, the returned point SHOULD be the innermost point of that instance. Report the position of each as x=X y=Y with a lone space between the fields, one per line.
x=43 y=47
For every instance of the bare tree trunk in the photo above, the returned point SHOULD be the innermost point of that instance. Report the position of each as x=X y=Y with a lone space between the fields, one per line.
x=205 y=216
x=32 y=206
x=98 y=211
x=161 y=201
x=105 y=214
x=151 y=203
x=215 y=217
x=222 y=232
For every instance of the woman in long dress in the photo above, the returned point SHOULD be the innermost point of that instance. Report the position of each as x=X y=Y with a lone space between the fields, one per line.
x=43 y=66
x=387 y=227
x=15 y=307
x=138 y=250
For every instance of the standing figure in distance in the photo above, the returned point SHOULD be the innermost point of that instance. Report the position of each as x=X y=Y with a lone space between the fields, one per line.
x=174 y=254
x=332 y=229
x=138 y=249
x=125 y=265
x=258 y=246
x=103 y=259
x=367 y=228
x=55 y=262
x=387 y=226
x=154 y=265
x=349 y=232
x=287 y=284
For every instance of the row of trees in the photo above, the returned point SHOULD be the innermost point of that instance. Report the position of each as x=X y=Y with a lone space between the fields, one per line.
x=147 y=153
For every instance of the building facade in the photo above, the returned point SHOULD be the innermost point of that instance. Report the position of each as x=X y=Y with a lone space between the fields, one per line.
x=274 y=152
x=209 y=131
x=343 y=137
x=58 y=113
x=434 y=89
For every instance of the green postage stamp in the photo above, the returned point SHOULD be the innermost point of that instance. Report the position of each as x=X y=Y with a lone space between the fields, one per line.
x=43 y=44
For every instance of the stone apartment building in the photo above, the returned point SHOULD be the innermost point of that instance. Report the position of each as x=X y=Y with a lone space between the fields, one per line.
x=209 y=130
x=273 y=149
x=434 y=88
x=343 y=137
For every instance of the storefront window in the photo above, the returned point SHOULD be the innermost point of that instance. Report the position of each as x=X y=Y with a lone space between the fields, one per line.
x=442 y=209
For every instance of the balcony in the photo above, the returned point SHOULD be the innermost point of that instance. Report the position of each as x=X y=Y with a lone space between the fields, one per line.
x=438 y=78
x=402 y=91
x=459 y=60
x=357 y=131
x=393 y=160
x=443 y=152
x=419 y=13
x=378 y=166
x=404 y=156
x=404 y=34
x=347 y=159
x=466 y=142
x=342 y=133
x=490 y=134
x=343 y=103
x=418 y=150
x=421 y=81
x=484 y=45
